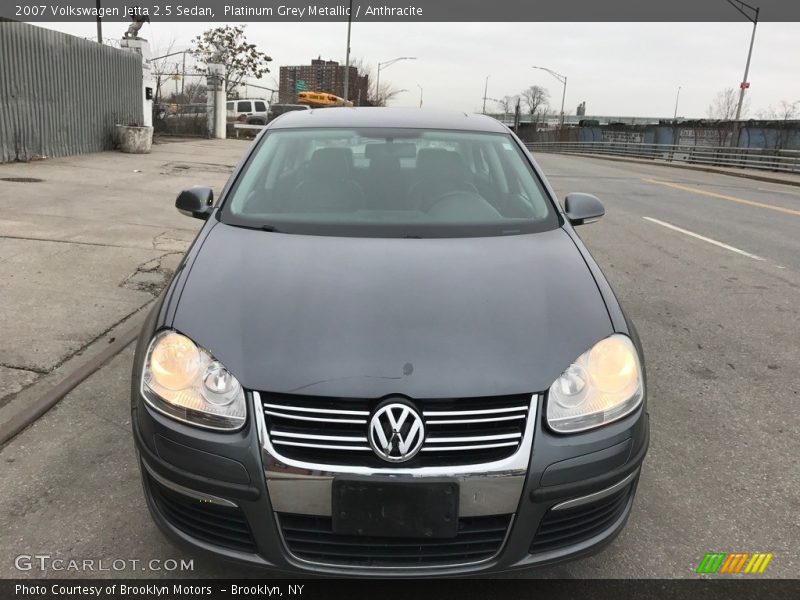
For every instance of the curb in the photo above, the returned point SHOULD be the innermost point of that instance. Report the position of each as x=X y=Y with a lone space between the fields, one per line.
x=35 y=407
x=705 y=169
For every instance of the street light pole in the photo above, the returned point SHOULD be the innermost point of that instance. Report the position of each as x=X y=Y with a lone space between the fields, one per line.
x=347 y=55
x=420 y=95
x=677 y=97
x=563 y=80
x=753 y=18
x=387 y=64
x=485 y=91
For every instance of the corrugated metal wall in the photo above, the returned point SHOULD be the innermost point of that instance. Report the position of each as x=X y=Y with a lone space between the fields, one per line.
x=60 y=94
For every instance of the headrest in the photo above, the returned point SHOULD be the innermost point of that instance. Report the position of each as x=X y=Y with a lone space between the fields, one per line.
x=332 y=162
x=442 y=163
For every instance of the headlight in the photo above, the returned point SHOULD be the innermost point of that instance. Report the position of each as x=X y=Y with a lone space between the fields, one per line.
x=187 y=383
x=604 y=384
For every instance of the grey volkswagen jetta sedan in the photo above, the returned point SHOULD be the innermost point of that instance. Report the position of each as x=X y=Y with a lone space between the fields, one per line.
x=388 y=353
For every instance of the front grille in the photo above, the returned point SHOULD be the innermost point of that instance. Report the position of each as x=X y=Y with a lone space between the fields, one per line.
x=561 y=528
x=217 y=525
x=333 y=431
x=312 y=539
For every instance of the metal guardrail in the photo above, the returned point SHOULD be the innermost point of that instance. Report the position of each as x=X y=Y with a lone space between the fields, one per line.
x=787 y=161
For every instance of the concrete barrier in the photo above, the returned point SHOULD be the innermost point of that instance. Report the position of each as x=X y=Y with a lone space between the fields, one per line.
x=133 y=139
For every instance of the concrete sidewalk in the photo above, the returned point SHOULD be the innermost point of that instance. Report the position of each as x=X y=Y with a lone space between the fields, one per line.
x=85 y=243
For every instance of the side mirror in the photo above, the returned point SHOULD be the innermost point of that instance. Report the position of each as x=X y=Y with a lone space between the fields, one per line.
x=583 y=208
x=197 y=202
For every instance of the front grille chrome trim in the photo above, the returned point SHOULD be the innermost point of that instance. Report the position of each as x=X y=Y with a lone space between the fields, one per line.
x=304 y=487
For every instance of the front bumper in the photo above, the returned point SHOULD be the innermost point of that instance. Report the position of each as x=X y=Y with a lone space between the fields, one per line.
x=227 y=493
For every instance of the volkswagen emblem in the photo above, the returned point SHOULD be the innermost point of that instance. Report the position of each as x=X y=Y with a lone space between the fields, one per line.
x=396 y=432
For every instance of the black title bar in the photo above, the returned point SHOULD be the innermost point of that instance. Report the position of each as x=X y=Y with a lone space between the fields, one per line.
x=395 y=10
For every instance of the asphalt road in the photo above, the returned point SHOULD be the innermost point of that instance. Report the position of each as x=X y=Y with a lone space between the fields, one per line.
x=720 y=329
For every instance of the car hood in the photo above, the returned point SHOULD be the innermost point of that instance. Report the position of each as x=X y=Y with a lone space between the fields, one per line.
x=367 y=317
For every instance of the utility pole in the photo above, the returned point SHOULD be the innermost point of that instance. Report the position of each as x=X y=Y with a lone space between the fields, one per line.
x=420 y=95
x=99 y=25
x=485 y=91
x=677 y=97
x=347 y=55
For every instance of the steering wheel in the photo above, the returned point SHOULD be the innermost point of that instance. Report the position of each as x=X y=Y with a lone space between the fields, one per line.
x=428 y=204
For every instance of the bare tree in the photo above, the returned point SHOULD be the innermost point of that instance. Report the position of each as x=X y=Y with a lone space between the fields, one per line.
x=162 y=67
x=195 y=92
x=228 y=46
x=724 y=105
x=535 y=97
x=507 y=103
x=786 y=111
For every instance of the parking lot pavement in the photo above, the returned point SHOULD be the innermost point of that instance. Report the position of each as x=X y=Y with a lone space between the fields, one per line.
x=71 y=488
x=87 y=241
x=719 y=329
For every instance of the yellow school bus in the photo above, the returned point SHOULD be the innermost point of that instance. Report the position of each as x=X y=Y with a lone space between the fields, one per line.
x=321 y=99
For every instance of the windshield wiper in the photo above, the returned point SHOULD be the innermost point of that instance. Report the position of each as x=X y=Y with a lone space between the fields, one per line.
x=271 y=228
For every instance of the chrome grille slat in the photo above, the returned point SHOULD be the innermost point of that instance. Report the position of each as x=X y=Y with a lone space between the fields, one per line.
x=473 y=438
x=324 y=430
x=473 y=447
x=487 y=420
x=312 y=436
x=363 y=413
x=461 y=413
x=320 y=446
x=316 y=419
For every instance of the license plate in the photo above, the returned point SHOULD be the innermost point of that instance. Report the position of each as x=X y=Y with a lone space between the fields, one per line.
x=390 y=508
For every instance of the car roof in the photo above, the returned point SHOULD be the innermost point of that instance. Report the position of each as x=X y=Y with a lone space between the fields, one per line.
x=373 y=116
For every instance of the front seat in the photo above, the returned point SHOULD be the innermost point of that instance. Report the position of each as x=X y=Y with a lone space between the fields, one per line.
x=386 y=183
x=439 y=171
x=329 y=184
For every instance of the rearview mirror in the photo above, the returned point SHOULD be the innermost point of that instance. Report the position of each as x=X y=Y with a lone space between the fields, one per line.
x=583 y=208
x=196 y=202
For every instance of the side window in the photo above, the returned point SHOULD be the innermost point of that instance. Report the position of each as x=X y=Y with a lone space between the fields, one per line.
x=243 y=106
x=261 y=107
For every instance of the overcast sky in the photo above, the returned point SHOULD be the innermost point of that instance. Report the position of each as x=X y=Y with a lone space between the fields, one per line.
x=622 y=69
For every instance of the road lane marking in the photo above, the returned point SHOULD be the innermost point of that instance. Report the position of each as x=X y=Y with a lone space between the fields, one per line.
x=685 y=188
x=703 y=238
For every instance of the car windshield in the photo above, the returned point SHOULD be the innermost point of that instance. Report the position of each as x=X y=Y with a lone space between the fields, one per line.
x=389 y=183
